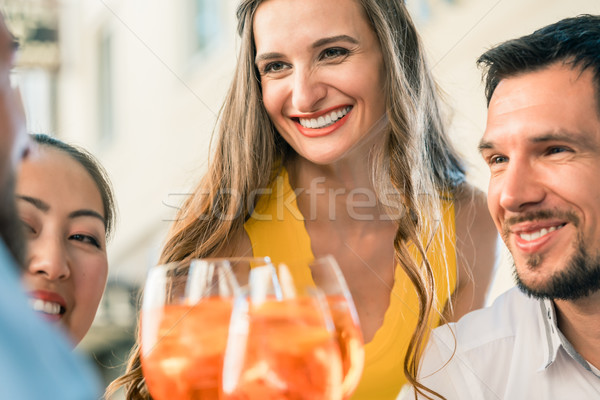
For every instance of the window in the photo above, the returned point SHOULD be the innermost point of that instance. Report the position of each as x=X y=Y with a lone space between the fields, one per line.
x=35 y=24
x=424 y=10
x=206 y=14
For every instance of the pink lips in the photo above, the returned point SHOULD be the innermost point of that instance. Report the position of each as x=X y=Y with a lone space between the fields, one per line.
x=51 y=297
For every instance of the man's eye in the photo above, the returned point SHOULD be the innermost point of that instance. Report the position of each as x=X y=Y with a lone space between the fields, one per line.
x=556 y=150
x=15 y=44
x=498 y=160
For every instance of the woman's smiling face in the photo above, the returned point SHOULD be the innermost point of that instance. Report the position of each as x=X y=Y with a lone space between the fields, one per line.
x=321 y=72
x=62 y=211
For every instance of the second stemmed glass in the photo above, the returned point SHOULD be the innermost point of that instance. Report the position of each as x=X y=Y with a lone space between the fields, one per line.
x=281 y=344
x=327 y=275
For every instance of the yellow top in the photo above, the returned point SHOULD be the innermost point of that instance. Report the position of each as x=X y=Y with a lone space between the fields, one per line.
x=276 y=229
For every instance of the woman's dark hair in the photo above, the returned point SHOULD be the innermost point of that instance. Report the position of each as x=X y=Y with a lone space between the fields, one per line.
x=93 y=167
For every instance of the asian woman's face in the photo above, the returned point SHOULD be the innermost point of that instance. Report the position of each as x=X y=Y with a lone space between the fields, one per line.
x=322 y=76
x=63 y=214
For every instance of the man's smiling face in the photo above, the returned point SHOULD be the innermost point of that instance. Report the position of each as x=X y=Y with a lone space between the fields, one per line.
x=542 y=144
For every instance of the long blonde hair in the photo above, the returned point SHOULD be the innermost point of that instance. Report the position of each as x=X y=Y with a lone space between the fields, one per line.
x=417 y=164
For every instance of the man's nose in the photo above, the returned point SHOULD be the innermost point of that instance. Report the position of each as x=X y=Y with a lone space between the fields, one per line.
x=521 y=186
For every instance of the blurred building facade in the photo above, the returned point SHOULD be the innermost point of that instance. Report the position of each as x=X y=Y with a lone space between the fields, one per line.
x=140 y=82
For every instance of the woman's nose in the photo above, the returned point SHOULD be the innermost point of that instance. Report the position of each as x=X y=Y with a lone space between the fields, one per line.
x=307 y=91
x=47 y=257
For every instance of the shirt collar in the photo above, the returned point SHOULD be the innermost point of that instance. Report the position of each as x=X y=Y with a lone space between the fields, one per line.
x=555 y=339
x=549 y=335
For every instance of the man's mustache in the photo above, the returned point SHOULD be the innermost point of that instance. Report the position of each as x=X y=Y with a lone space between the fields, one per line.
x=539 y=215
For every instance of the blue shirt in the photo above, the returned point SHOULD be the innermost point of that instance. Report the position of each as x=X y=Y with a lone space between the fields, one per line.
x=36 y=361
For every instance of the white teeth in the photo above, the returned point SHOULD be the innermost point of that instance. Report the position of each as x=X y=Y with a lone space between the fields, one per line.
x=325 y=120
x=44 y=306
x=536 y=235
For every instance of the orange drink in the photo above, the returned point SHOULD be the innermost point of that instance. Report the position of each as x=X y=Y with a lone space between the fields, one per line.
x=182 y=356
x=327 y=276
x=349 y=337
x=290 y=353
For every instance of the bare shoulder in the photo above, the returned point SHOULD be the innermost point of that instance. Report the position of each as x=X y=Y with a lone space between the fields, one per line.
x=243 y=246
x=238 y=245
x=476 y=249
x=474 y=225
x=471 y=211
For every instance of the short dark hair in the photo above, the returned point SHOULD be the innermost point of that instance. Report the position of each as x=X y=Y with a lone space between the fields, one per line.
x=93 y=167
x=574 y=41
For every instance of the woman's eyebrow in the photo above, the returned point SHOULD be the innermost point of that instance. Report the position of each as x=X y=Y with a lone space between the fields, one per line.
x=44 y=207
x=37 y=203
x=267 y=56
x=333 y=39
x=87 y=213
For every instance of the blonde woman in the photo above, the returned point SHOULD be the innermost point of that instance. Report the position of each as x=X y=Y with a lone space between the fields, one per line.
x=330 y=141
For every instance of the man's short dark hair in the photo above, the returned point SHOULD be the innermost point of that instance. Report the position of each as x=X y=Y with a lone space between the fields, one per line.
x=574 y=41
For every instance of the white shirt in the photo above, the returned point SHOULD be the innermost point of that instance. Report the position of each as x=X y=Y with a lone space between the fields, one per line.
x=511 y=350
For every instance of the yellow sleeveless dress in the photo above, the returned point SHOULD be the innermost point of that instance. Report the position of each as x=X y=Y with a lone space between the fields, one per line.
x=276 y=229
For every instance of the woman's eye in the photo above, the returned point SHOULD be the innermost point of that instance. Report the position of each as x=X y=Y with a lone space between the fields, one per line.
x=85 y=239
x=274 y=67
x=28 y=228
x=334 y=52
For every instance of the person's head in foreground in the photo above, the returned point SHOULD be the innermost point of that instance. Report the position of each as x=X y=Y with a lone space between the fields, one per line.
x=542 y=144
x=35 y=362
x=14 y=144
x=66 y=206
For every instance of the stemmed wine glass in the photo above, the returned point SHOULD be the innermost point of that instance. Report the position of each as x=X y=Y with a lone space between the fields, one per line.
x=328 y=277
x=281 y=343
x=184 y=325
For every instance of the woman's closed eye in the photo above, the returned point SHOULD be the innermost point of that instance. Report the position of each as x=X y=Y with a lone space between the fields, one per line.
x=28 y=228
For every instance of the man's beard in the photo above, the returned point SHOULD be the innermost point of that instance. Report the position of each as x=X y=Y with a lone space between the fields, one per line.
x=579 y=278
x=11 y=228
